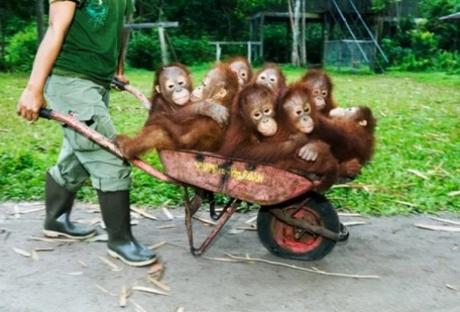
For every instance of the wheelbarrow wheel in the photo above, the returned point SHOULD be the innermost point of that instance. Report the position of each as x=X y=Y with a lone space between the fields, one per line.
x=287 y=241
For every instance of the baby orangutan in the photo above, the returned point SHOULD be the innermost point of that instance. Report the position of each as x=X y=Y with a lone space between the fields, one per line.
x=243 y=70
x=362 y=137
x=321 y=86
x=258 y=134
x=171 y=106
x=272 y=77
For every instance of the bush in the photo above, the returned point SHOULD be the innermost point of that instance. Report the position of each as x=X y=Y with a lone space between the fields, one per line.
x=20 y=49
x=144 y=50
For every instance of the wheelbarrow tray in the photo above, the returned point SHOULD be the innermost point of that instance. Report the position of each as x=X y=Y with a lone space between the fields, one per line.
x=260 y=184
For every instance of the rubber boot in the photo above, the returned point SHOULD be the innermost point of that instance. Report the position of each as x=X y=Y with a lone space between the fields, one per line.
x=59 y=202
x=122 y=244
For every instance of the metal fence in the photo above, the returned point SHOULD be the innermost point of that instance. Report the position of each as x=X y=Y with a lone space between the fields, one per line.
x=349 y=54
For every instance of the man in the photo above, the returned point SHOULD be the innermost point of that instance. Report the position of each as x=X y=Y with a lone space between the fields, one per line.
x=74 y=65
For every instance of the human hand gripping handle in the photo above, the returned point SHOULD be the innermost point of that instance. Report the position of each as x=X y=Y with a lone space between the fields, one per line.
x=30 y=103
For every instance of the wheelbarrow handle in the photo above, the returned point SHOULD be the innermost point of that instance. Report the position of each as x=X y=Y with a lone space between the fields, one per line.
x=99 y=139
x=120 y=85
x=45 y=113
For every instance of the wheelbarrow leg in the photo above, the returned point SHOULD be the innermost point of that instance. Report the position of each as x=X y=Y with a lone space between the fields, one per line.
x=190 y=211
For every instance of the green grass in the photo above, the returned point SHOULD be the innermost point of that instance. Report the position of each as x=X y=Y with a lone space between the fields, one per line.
x=418 y=129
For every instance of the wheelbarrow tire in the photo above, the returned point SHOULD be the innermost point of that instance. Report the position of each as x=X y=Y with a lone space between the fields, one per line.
x=279 y=238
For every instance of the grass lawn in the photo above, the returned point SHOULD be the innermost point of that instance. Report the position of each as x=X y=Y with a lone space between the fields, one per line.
x=416 y=167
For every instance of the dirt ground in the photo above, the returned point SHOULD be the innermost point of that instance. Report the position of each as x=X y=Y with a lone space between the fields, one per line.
x=419 y=269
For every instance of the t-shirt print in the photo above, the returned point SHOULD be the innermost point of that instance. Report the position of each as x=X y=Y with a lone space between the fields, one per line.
x=97 y=11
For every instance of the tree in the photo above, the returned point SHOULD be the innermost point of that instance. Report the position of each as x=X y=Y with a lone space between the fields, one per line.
x=40 y=16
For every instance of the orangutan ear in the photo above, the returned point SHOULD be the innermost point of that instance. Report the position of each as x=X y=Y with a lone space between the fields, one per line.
x=363 y=123
x=222 y=93
x=157 y=89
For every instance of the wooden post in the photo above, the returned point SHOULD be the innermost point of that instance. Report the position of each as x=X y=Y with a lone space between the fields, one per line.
x=218 y=52
x=164 y=48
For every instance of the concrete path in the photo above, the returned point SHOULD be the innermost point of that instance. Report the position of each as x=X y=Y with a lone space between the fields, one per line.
x=419 y=269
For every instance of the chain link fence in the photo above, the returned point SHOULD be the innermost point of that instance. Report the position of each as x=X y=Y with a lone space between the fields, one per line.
x=350 y=54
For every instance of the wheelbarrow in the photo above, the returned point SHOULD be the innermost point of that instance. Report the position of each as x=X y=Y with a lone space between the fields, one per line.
x=292 y=222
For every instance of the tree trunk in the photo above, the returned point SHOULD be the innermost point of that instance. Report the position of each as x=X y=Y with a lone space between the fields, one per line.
x=295 y=18
x=303 y=44
x=40 y=14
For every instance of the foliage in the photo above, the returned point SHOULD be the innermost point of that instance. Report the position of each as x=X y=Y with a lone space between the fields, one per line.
x=418 y=129
x=428 y=43
x=20 y=51
x=144 y=51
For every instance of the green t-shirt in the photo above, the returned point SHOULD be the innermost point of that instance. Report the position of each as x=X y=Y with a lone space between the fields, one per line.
x=92 y=44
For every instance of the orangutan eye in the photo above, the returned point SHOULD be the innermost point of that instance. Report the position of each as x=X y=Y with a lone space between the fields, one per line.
x=257 y=115
x=272 y=79
x=298 y=113
x=243 y=74
x=262 y=77
x=316 y=92
x=171 y=86
x=324 y=93
x=267 y=111
x=181 y=83
x=307 y=109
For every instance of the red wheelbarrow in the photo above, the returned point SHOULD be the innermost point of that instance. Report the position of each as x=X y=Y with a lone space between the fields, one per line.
x=292 y=222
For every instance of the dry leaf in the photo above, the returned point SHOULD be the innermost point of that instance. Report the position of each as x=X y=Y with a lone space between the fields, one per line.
x=112 y=265
x=438 y=227
x=105 y=290
x=205 y=221
x=451 y=287
x=418 y=174
x=159 y=245
x=163 y=227
x=445 y=220
x=83 y=264
x=346 y=214
x=99 y=238
x=353 y=223
x=167 y=213
x=122 y=299
x=251 y=220
x=75 y=273
x=454 y=193
x=150 y=290
x=53 y=240
x=137 y=306
x=157 y=270
x=405 y=203
x=159 y=284
x=42 y=249
x=180 y=309
x=35 y=255
x=144 y=213
x=22 y=252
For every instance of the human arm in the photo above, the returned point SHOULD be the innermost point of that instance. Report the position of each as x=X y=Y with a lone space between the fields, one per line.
x=61 y=14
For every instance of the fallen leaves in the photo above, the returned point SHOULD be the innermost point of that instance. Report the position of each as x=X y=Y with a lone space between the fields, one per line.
x=418 y=174
x=110 y=264
x=443 y=228
x=150 y=290
x=248 y=259
x=22 y=252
